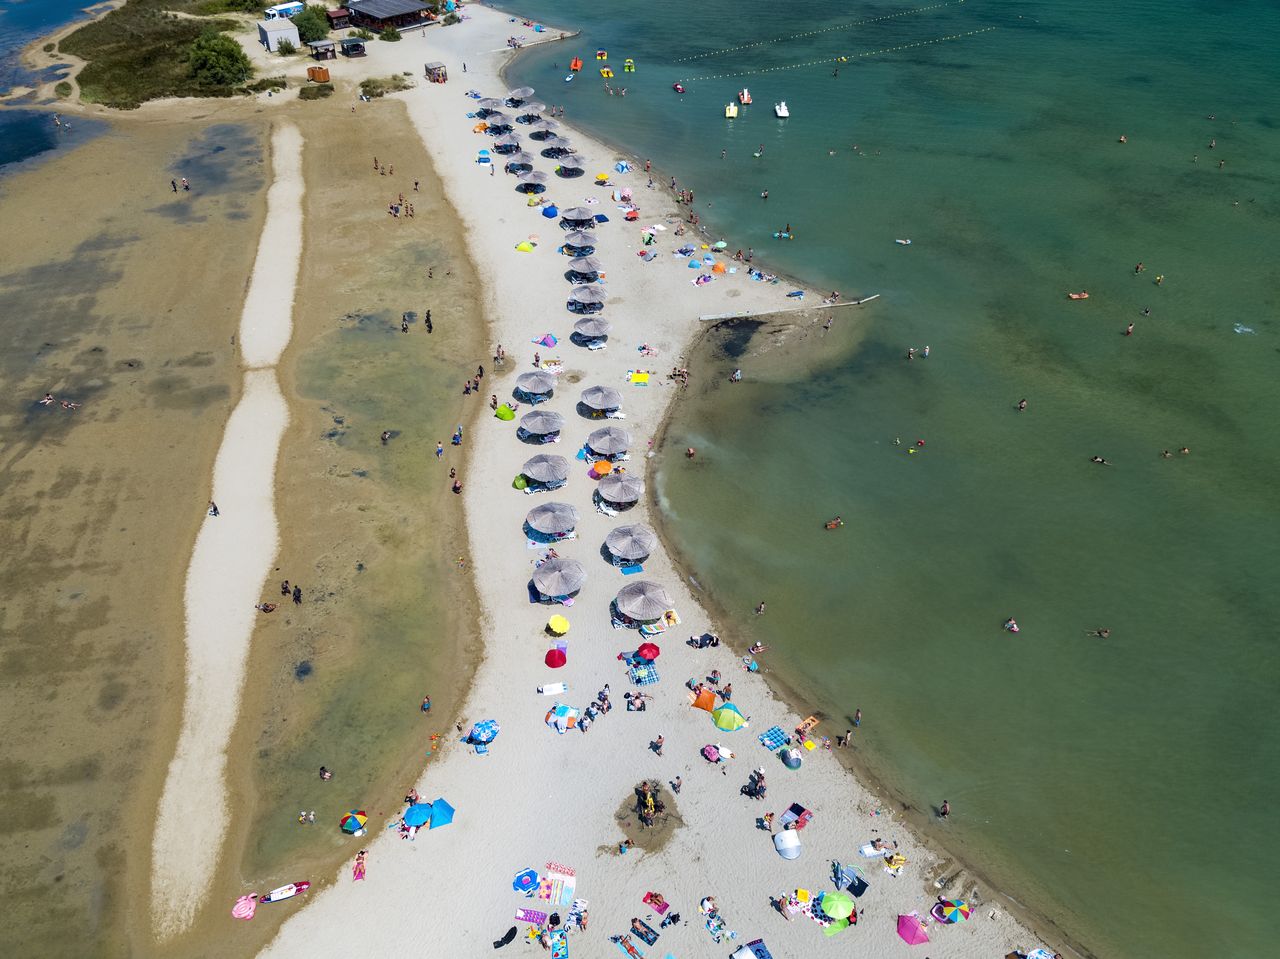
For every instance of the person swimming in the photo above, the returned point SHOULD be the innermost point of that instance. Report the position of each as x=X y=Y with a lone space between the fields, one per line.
x=1011 y=625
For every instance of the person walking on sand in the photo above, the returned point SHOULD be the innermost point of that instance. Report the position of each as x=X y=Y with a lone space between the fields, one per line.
x=284 y=588
x=676 y=784
x=944 y=812
x=439 y=450
x=658 y=744
x=174 y=185
x=297 y=595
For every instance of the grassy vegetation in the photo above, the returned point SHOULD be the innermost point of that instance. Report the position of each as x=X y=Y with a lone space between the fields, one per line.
x=141 y=52
x=63 y=89
x=315 y=91
x=380 y=86
x=49 y=47
x=390 y=34
x=267 y=83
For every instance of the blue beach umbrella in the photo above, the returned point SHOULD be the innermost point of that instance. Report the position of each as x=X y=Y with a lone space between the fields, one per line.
x=550 y=212
x=485 y=731
x=525 y=881
x=441 y=813
x=419 y=814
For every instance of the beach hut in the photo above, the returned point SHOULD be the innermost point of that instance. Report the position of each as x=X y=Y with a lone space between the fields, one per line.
x=558 y=578
x=535 y=386
x=352 y=47
x=621 y=489
x=609 y=442
x=338 y=19
x=631 y=544
x=601 y=399
x=535 y=182
x=435 y=72
x=585 y=269
x=541 y=426
x=323 y=49
x=553 y=519
x=378 y=15
x=546 y=470
x=586 y=299
x=272 y=33
x=642 y=602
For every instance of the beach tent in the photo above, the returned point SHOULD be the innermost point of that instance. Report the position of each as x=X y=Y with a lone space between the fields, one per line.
x=787 y=843
x=601 y=398
x=911 y=930
x=644 y=601
x=791 y=758
x=550 y=212
x=609 y=441
x=728 y=718
x=419 y=814
x=353 y=822
x=553 y=519
x=621 y=488
x=705 y=700
x=555 y=657
x=505 y=412
x=559 y=577
x=441 y=813
x=524 y=246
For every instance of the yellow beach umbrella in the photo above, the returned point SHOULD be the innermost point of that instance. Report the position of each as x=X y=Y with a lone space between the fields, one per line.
x=558 y=625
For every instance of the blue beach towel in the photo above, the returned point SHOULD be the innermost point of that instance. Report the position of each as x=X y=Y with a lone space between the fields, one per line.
x=644 y=675
x=632 y=569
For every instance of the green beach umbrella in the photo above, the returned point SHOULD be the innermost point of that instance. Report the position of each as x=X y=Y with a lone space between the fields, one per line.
x=837 y=905
x=728 y=718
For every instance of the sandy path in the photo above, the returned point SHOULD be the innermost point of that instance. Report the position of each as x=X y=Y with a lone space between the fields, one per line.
x=233 y=554
x=540 y=797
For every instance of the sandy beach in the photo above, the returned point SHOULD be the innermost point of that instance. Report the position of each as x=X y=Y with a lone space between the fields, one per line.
x=539 y=797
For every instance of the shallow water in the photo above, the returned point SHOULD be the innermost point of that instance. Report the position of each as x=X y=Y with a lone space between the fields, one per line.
x=1098 y=781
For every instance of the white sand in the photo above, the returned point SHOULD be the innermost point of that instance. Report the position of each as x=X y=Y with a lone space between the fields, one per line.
x=233 y=554
x=539 y=796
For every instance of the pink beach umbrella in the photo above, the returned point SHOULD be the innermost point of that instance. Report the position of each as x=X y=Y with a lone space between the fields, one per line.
x=911 y=930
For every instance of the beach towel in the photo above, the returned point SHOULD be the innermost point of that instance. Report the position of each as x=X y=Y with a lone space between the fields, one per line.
x=645 y=933
x=643 y=675
x=559 y=944
x=632 y=569
x=755 y=949
x=532 y=916
x=628 y=947
x=639 y=378
x=660 y=906
x=576 y=911
x=563 y=880
x=772 y=738
x=553 y=689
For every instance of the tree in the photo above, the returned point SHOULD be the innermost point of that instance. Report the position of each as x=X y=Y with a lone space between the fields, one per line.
x=312 y=24
x=390 y=34
x=217 y=61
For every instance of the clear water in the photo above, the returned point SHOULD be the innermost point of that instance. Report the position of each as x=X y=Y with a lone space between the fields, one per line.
x=1121 y=787
x=27 y=133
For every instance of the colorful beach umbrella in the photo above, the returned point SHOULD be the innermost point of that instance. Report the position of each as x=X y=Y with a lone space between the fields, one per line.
x=525 y=881
x=555 y=658
x=353 y=821
x=648 y=651
x=728 y=718
x=558 y=625
x=837 y=905
x=485 y=731
x=419 y=814
x=952 y=911
x=911 y=930
x=441 y=813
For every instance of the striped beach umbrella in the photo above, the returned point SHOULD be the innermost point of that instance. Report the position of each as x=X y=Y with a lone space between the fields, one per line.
x=353 y=821
x=952 y=911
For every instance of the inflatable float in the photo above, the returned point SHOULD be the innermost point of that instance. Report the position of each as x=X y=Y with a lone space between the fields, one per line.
x=1082 y=295
x=678 y=87
x=902 y=242
x=1011 y=625
x=835 y=523
x=628 y=65
x=783 y=236
x=606 y=72
x=284 y=892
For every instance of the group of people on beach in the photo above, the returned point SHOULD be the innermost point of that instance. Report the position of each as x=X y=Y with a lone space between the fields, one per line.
x=49 y=400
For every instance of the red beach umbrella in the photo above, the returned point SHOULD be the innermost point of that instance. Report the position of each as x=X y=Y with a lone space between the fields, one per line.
x=648 y=651
x=555 y=658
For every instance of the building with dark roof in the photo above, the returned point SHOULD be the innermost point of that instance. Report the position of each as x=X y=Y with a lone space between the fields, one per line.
x=380 y=14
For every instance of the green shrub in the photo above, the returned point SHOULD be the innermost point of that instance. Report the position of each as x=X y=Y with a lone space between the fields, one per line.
x=215 y=60
x=312 y=24
x=267 y=83
x=316 y=91
x=361 y=33
x=63 y=89
x=376 y=87
x=286 y=48
x=391 y=34
x=48 y=48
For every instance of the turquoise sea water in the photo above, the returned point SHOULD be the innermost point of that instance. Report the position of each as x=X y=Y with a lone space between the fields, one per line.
x=1121 y=787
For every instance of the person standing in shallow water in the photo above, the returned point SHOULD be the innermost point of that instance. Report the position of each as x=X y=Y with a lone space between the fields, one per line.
x=944 y=812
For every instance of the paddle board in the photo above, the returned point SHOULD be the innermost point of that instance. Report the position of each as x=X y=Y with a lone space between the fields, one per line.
x=903 y=242
x=284 y=892
x=568 y=78
x=784 y=236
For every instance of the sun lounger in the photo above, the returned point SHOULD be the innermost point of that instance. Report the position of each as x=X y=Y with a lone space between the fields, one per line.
x=605 y=509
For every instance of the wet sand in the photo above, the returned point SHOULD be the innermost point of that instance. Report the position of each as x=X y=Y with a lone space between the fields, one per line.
x=115 y=294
